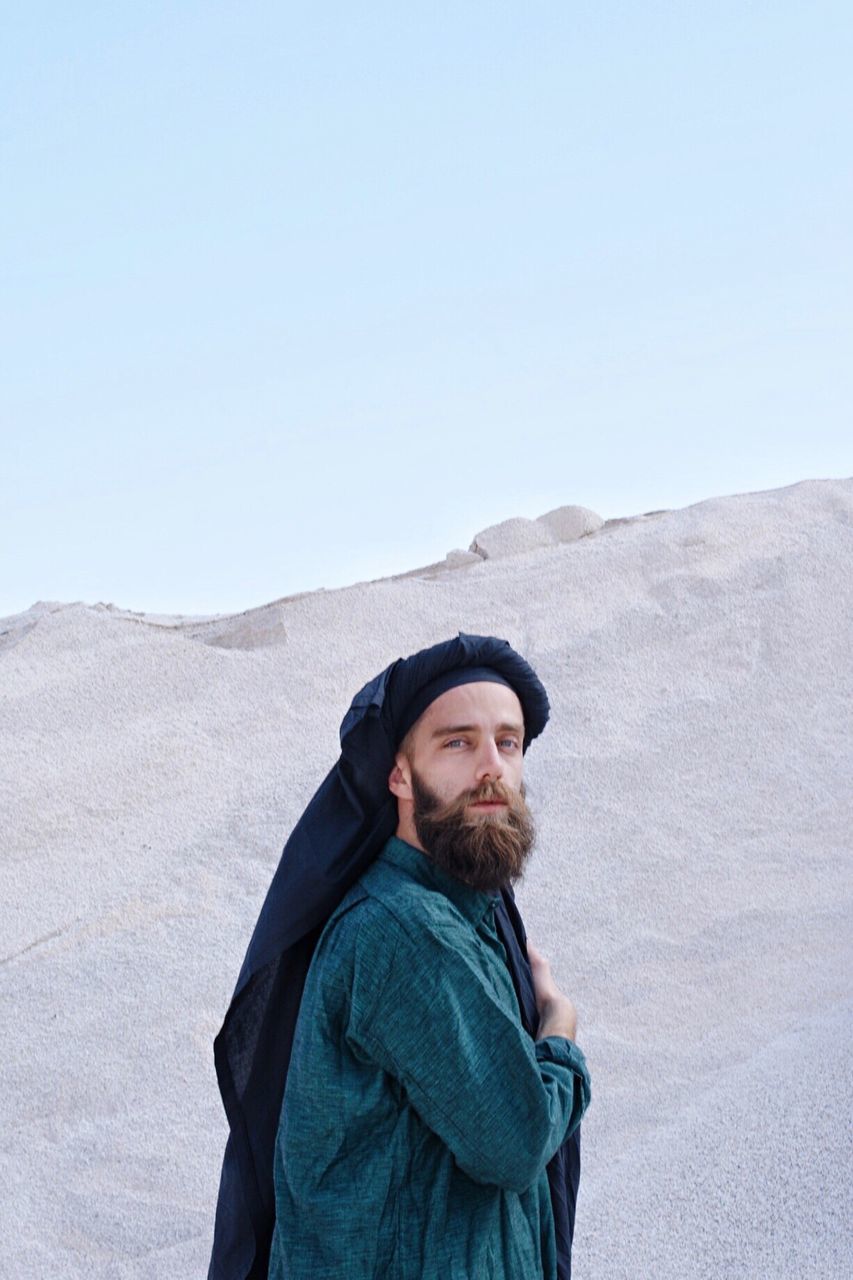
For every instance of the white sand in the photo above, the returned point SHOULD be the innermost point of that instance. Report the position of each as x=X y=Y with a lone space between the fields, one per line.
x=692 y=881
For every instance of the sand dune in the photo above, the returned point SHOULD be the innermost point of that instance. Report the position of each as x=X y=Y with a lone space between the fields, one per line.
x=692 y=881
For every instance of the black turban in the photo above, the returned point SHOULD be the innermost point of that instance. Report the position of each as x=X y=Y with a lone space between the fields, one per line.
x=344 y=828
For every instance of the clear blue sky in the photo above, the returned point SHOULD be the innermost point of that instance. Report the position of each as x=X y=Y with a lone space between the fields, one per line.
x=297 y=295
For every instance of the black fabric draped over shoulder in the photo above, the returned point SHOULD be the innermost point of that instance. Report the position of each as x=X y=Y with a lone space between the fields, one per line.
x=342 y=830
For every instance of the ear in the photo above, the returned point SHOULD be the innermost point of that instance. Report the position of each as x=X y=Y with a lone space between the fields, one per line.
x=400 y=779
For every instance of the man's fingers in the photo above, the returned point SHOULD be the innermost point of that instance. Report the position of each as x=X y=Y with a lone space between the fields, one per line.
x=544 y=986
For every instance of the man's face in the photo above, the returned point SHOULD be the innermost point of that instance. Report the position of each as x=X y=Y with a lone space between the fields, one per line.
x=465 y=764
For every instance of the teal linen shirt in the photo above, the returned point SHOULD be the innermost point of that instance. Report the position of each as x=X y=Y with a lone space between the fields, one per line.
x=419 y=1115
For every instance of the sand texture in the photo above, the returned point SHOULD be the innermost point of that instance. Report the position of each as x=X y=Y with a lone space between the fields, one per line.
x=692 y=880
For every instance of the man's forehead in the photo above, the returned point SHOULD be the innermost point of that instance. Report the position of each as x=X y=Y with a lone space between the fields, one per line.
x=480 y=702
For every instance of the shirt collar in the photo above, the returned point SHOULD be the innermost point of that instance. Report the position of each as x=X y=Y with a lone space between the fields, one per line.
x=473 y=903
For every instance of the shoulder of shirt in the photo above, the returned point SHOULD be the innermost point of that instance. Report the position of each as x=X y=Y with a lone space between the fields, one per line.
x=395 y=906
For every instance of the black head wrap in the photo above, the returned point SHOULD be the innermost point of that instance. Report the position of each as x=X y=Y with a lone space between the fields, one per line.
x=344 y=827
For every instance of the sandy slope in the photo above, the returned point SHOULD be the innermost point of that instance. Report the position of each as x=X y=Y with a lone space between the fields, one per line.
x=692 y=881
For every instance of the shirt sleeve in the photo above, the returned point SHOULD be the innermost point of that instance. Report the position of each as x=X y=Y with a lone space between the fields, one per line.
x=425 y=1011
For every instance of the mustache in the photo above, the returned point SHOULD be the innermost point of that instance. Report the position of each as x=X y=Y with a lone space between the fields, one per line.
x=488 y=791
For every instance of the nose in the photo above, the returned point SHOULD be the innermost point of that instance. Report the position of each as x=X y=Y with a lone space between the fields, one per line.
x=490 y=763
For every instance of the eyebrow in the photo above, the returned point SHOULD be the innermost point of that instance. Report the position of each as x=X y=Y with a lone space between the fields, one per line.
x=449 y=729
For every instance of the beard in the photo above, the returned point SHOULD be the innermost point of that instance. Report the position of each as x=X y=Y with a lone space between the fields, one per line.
x=486 y=850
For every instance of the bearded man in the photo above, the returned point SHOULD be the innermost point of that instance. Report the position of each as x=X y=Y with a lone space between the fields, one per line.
x=433 y=1083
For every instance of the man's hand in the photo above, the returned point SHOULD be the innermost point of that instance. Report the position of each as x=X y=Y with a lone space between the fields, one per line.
x=557 y=1014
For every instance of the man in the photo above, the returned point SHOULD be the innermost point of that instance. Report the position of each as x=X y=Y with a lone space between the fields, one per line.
x=423 y=1132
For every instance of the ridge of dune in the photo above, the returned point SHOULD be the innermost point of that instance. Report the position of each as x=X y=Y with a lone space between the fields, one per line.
x=692 y=879
x=13 y=626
